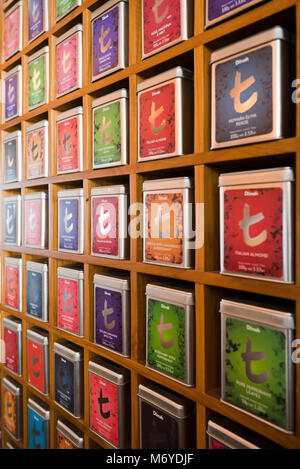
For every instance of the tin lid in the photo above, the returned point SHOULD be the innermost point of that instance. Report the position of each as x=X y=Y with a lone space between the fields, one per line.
x=166 y=400
x=110 y=281
x=10 y=445
x=38 y=406
x=70 y=193
x=166 y=184
x=70 y=113
x=38 y=336
x=39 y=53
x=276 y=316
x=37 y=266
x=12 y=385
x=12 y=198
x=109 y=371
x=175 y=296
x=69 y=431
x=15 y=261
x=283 y=174
x=36 y=196
x=110 y=190
x=39 y=125
x=14 y=7
x=276 y=33
x=105 y=7
x=227 y=437
x=68 y=350
x=76 y=29
x=12 y=323
x=119 y=94
x=14 y=135
x=70 y=273
x=177 y=72
x=14 y=70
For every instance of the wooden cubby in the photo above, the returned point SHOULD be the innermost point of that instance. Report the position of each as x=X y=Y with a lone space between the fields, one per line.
x=203 y=165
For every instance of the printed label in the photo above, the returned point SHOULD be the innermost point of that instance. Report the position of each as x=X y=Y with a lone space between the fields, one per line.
x=219 y=8
x=34 y=294
x=36 y=365
x=67 y=65
x=256 y=367
x=11 y=96
x=10 y=222
x=37 y=82
x=164 y=228
x=11 y=350
x=159 y=430
x=244 y=96
x=162 y=23
x=253 y=237
x=104 y=409
x=10 y=411
x=157 y=121
x=12 y=286
x=35 y=18
x=33 y=214
x=107 y=134
x=216 y=445
x=64 y=6
x=108 y=319
x=64 y=383
x=36 y=154
x=166 y=338
x=68 y=220
x=106 y=42
x=68 y=305
x=68 y=145
x=36 y=431
x=12 y=32
x=10 y=161
x=64 y=443
x=105 y=226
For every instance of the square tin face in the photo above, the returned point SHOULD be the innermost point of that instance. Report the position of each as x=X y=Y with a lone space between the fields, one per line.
x=157 y=121
x=33 y=223
x=107 y=135
x=69 y=309
x=244 y=97
x=65 y=6
x=68 y=145
x=64 y=383
x=36 y=365
x=255 y=367
x=11 y=224
x=105 y=226
x=161 y=24
x=104 y=412
x=67 y=66
x=36 y=18
x=37 y=82
x=10 y=413
x=11 y=161
x=12 y=352
x=158 y=429
x=37 y=153
x=12 y=96
x=37 y=431
x=164 y=228
x=12 y=32
x=35 y=294
x=109 y=319
x=253 y=232
x=12 y=286
x=105 y=37
x=69 y=224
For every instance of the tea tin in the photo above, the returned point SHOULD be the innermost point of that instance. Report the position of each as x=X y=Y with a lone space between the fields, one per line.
x=220 y=10
x=110 y=130
x=112 y=312
x=38 y=359
x=64 y=7
x=38 y=424
x=13 y=283
x=37 y=290
x=37 y=150
x=165 y=110
x=68 y=364
x=13 y=157
x=38 y=78
x=166 y=419
x=12 y=220
x=12 y=407
x=109 y=222
x=71 y=220
x=69 y=61
x=109 y=38
x=13 y=30
x=12 y=336
x=37 y=18
x=256 y=224
x=69 y=141
x=165 y=23
x=250 y=97
x=68 y=437
x=36 y=220
x=70 y=309
x=170 y=325
x=13 y=93
x=110 y=402
x=256 y=360
x=168 y=221
x=10 y=445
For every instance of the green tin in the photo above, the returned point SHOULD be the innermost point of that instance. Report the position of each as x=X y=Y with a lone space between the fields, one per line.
x=38 y=83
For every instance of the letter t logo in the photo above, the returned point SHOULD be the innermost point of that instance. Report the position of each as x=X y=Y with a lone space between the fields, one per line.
x=239 y=88
x=248 y=357
x=163 y=328
x=248 y=221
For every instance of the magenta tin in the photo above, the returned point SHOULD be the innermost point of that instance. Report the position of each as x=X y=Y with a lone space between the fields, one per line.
x=69 y=61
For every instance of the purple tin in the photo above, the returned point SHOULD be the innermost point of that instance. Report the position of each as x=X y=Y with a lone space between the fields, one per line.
x=37 y=18
x=13 y=93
